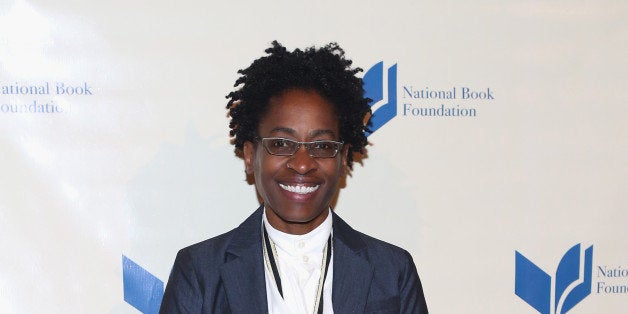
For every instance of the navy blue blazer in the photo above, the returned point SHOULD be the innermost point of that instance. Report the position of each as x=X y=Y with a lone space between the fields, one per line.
x=225 y=274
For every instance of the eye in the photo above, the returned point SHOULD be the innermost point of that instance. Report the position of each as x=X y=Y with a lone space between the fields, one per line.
x=323 y=145
x=326 y=146
x=281 y=143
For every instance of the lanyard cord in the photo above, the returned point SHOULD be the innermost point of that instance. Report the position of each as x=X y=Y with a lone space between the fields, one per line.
x=271 y=264
x=270 y=259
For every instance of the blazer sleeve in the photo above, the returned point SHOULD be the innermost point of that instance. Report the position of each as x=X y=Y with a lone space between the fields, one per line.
x=411 y=290
x=183 y=293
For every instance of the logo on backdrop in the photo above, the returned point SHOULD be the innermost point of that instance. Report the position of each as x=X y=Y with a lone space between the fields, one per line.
x=384 y=109
x=570 y=285
x=142 y=289
x=380 y=84
x=39 y=97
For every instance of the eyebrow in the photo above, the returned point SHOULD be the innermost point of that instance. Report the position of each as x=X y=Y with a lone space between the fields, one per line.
x=292 y=132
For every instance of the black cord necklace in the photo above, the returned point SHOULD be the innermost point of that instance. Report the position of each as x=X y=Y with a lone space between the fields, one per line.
x=271 y=264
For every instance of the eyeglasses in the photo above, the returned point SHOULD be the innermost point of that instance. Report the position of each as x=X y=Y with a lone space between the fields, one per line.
x=284 y=147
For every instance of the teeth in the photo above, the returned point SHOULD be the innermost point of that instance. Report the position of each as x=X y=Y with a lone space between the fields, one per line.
x=299 y=189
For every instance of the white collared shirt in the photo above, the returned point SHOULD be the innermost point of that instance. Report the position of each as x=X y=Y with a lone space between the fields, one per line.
x=299 y=261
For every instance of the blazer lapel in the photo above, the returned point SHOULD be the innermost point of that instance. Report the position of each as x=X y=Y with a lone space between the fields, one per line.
x=352 y=271
x=243 y=273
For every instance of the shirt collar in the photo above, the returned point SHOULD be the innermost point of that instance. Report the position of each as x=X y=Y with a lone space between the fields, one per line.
x=297 y=244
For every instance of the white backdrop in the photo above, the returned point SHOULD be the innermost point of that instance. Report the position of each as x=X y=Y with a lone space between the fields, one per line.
x=137 y=161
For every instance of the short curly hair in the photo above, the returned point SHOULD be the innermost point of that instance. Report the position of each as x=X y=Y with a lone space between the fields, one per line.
x=324 y=70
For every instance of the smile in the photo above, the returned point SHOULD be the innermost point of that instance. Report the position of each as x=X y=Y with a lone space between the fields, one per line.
x=299 y=189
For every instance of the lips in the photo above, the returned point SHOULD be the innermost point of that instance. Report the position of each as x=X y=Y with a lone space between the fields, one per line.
x=299 y=189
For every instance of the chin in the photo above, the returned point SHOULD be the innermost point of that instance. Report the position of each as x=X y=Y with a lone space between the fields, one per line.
x=302 y=217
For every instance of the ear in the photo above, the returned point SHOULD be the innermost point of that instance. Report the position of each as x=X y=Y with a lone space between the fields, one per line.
x=248 y=152
x=344 y=153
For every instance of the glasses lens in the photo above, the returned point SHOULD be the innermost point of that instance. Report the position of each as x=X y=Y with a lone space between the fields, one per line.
x=323 y=149
x=280 y=146
x=284 y=147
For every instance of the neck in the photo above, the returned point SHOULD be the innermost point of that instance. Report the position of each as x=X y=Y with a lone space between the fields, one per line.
x=296 y=228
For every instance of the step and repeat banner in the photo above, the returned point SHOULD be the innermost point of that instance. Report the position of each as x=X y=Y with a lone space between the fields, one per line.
x=499 y=156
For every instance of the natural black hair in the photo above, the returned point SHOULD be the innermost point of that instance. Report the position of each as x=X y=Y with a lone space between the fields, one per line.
x=324 y=70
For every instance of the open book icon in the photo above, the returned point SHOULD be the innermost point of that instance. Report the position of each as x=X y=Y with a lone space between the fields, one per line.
x=560 y=294
x=383 y=95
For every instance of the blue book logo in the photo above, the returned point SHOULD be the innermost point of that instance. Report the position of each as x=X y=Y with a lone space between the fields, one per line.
x=374 y=89
x=142 y=289
x=571 y=284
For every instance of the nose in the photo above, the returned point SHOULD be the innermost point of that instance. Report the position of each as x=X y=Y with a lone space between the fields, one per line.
x=301 y=162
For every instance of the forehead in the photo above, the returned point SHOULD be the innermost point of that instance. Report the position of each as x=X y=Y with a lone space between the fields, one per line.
x=300 y=113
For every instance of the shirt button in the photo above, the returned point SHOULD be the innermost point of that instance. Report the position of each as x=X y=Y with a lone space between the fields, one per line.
x=305 y=259
x=301 y=244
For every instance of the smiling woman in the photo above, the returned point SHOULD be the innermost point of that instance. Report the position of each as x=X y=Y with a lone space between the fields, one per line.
x=296 y=120
x=302 y=116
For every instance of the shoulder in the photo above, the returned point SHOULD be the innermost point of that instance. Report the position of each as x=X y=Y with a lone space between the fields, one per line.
x=216 y=250
x=199 y=264
x=384 y=255
x=380 y=247
x=373 y=249
x=208 y=251
x=395 y=282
